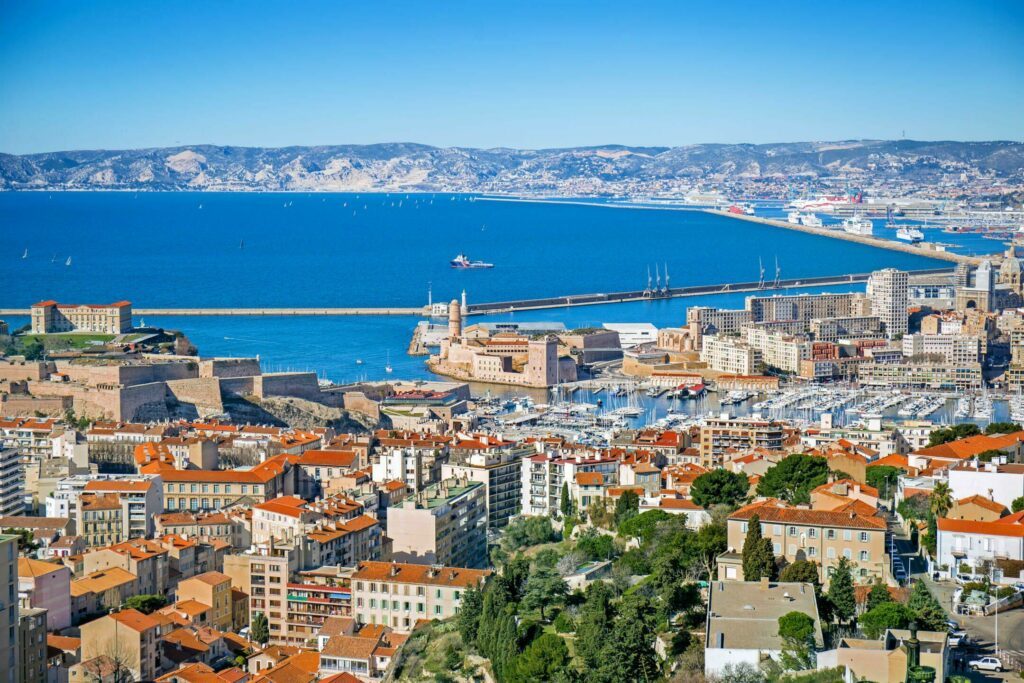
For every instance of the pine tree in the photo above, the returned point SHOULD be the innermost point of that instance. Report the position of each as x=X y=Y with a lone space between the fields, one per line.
x=260 y=628
x=758 y=558
x=469 y=615
x=879 y=594
x=628 y=654
x=567 y=505
x=593 y=623
x=840 y=591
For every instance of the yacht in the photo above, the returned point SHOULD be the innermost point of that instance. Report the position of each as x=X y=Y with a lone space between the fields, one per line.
x=462 y=261
x=793 y=217
x=810 y=220
x=912 y=235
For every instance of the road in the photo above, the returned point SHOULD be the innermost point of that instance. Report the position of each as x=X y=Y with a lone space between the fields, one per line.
x=981 y=630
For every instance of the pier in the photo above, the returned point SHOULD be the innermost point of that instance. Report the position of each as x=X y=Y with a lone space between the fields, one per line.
x=566 y=301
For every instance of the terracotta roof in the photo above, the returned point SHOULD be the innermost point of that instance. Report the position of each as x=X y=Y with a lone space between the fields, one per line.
x=1007 y=526
x=27 y=522
x=774 y=511
x=396 y=572
x=301 y=668
x=290 y=506
x=66 y=643
x=679 y=504
x=33 y=568
x=135 y=620
x=327 y=458
x=982 y=501
x=589 y=478
x=101 y=581
x=212 y=578
x=962 y=449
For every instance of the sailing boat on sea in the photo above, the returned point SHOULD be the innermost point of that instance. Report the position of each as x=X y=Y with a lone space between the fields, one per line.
x=387 y=368
x=68 y=262
x=25 y=255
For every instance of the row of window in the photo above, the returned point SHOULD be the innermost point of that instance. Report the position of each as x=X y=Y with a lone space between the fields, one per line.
x=812 y=532
x=205 y=488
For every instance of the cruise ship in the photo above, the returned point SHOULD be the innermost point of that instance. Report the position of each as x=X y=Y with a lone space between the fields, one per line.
x=858 y=225
x=826 y=203
x=793 y=217
x=912 y=235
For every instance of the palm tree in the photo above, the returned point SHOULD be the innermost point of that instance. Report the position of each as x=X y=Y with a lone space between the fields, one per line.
x=941 y=499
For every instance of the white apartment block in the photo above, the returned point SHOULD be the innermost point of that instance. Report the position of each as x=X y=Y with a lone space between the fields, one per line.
x=778 y=350
x=544 y=474
x=958 y=349
x=1001 y=482
x=731 y=355
x=887 y=290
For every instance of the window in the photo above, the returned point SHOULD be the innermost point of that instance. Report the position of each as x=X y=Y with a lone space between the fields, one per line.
x=777 y=548
x=744 y=527
x=812 y=533
x=812 y=552
x=792 y=531
x=847 y=553
x=373 y=603
x=777 y=529
x=830 y=534
x=864 y=556
x=831 y=553
x=437 y=609
x=863 y=537
x=847 y=535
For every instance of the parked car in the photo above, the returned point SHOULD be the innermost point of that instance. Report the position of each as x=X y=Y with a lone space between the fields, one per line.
x=958 y=638
x=985 y=664
x=952 y=625
x=963 y=578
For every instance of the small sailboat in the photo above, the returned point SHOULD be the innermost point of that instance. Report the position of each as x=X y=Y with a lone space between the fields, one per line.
x=25 y=255
x=68 y=262
x=200 y=206
x=387 y=368
x=241 y=244
x=53 y=259
x=359 y=361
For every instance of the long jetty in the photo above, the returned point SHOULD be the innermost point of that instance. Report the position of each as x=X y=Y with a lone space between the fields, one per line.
x=566 y=301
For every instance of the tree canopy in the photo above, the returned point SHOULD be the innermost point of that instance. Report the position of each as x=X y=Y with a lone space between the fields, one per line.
x=947 y=434
x=642 y=526
x=793 y=477
x=883 y=616
x=1002 y=428
x=840 y=591
x=719 y=487
x=758 y=555
x=801 y=571
x=626 y=507
x=146 y=603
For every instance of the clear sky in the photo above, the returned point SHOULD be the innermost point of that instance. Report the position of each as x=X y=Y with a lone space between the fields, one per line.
x=97 y=74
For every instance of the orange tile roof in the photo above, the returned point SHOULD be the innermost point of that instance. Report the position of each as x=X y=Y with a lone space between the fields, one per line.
x=396 y=572
x=135 y=620
x=775 y=511
x=589 y=478
x=34 y=568
x=66 y=643
x=982 y=501
x=1007 y=526
x=961 y=449
x=101 y=581
x=327 y=458
x=119 y=486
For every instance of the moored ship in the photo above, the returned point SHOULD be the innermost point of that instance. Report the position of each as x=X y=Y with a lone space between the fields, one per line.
x=462 y=261
x=912 y=235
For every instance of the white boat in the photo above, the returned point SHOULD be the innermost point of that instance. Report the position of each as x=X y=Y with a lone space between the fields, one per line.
x=68 y=262
x=810 y=220
x=912 y=235
x=858 y=225
x=793 y=217
x=25 y=255
x=387 y=367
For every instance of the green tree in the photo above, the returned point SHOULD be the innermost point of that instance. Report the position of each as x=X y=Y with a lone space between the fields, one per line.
x=544 y=588
x=797 y=632
x=626 y=507
x=593 y=624
x=961 y=431
x=470 y=609
x=33 y=349
x=1018 y=504
x=26 y=540
x=566 y=504
x=879 y=595
x=840 y=591
x=1002 y=428
x=883 y=478
x=710 y=541
x=595 y=546
x=793 y=477
x=544 y=659
x=926 y=609
x=941 y=499
x=884 y=616
x=628 y=653
x=758 y=557
x=801 y=571
x=527 y=530
x=259 y=630
x=642 y=526
x=719 y=487
x=146 y=603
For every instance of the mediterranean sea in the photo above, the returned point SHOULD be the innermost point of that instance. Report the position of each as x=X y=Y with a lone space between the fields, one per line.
x=174 y=250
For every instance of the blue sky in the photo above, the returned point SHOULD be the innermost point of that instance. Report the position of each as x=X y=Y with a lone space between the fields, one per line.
x=98 y=74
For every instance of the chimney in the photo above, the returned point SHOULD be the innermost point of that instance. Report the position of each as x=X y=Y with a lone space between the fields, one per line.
x=765 y=583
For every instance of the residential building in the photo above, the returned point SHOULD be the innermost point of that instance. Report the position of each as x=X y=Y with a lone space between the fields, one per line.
x=496 y=465
x=887 y=290
x=721 y=434
x=442 y=524
x=32 y=653
x=128 y=637
x=363 y=651
x=955 y=349
x=12 y=482
x=779 y=350
x=315 y=597
x=146 y=560
x=821 y=536
x=398 y=595
x=976 y=544
x=923 y=374
x=213 y=589
x=732 y=355
x=101 y=591
x=743 y=621
x=544 y=474
x=50 y=317
x=9 y=624
x=46 y=585
x=887 y=660
x=846 y=327
x=1002 y=482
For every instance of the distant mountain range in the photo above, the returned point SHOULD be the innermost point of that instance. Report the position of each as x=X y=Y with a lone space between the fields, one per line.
x=415 y=167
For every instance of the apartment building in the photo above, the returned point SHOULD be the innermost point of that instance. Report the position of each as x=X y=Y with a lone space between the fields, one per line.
x=1002 y=482
x=9 y=613
x=978 y=544
x=778 y=350
x=731 y=355
x=847 y=327
x=498 y=469
x=32 y=660
x=442 y=524
x=209 y=491
x=30 y=435
x=821 y=536
x=718 y=435
x=887 y=290
x=921 y=375
x=46 y=585
x=315 y=597
x=212 y=589
x=956 y=349
x=414 y=466
x=12 y=482
x=803 y=307
x=132 y=637
x=263 y=573
x=544 y=474
x=146 y=559
x=139 y=498
x=398 y=595
x=49 y=317
x=717 y=320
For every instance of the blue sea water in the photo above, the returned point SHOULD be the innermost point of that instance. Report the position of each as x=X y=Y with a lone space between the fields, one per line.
x=163 y=250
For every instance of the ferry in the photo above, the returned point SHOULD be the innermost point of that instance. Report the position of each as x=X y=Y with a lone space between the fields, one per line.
x=912 y=235
x=826 y=203
x=462 y=261
x=858 y=225
x=742 y=209
x=810 y=220
x=793 y=217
